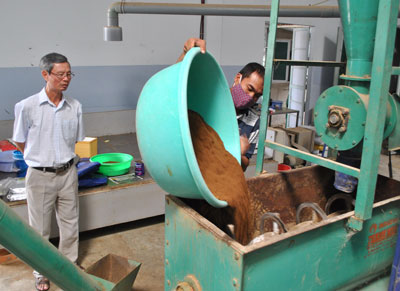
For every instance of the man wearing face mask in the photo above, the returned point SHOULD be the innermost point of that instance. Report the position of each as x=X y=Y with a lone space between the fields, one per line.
x=246 y=90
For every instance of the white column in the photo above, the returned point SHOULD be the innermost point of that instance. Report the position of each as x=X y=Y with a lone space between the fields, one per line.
x=297 y=86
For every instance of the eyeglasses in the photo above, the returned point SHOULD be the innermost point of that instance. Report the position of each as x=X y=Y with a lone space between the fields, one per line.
x=61 y=76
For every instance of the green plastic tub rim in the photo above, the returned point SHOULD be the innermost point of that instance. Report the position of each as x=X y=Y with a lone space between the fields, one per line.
x=185 y=130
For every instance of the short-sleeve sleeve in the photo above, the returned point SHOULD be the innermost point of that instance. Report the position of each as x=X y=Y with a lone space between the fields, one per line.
x=81 y=131
x=21 y=125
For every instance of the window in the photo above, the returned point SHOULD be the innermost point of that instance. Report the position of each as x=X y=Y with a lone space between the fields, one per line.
x=282 y=51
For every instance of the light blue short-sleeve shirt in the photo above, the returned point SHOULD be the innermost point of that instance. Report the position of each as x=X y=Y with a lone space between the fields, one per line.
x=48 y=131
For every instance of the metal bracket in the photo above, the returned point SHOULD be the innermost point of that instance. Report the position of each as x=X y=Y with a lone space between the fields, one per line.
x=338 y=118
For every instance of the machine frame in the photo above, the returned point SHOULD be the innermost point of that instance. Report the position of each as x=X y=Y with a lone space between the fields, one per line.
x=381 y=72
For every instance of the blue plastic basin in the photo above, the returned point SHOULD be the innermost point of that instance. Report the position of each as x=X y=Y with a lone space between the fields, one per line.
x=162 y=125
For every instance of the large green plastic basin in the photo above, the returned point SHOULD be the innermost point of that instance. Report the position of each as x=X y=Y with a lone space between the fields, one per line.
x=162 y=125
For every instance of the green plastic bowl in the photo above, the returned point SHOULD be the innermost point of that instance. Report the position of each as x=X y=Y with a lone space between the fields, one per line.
x=113 y=164
x=162 y=124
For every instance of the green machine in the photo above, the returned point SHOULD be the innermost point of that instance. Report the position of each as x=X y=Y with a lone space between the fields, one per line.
x=341 y=111
x=341 y=115
x=342 y=251
x=324 y=255
x=339 y=252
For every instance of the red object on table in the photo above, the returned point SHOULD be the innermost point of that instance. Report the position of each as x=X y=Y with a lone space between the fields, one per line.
x=283 y=167
x=5 y=145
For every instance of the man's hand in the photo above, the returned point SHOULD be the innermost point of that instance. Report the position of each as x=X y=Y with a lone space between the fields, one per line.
x=20 y=146
x=192 y=42
x=244 y=147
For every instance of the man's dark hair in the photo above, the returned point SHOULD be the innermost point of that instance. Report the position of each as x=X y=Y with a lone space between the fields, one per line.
x=250 y=68
x=47 y=62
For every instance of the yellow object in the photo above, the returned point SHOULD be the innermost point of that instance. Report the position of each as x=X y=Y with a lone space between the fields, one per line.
x=319 y=147
x=86 y=148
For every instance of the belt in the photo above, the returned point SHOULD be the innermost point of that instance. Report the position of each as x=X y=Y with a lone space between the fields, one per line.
x=57 y=170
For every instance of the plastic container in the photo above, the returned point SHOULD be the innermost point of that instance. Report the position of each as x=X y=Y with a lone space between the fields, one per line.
x=162 y=125
x=139 y=168
x=6 y=161
x=113 y=164
x=17 y=155
x=19 y=162
x=344 y=182
x=283 y=168
x=276 y=105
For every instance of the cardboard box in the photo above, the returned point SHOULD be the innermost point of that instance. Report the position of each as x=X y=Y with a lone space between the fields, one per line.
x=6 y=257
x=86 y=148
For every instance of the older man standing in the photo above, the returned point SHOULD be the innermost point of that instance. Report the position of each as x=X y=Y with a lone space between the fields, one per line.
x=47 y=126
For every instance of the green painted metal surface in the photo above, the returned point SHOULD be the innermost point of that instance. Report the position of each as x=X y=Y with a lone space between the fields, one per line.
x=394 y=138
x=392 y=115
x=273 y=22
x=380 y=77
x=369 y=30
x=359 y=20
x=323 y=256
x=164 y=140
x=396 y=71
x=192 y=249
x=326 y=258
x=339 y=253
x=20 y=239
x=354 y=103
x=24 y=242
x=359 y=26
x=315 y=159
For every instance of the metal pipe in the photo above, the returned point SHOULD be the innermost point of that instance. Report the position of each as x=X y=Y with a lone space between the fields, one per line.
x=313 y=206
x=112 y=32
x=23 y=241
x=223 y=10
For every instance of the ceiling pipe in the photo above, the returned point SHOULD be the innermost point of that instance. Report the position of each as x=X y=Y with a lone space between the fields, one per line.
x=113 y=32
